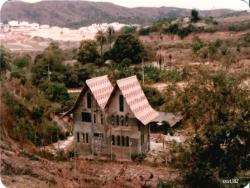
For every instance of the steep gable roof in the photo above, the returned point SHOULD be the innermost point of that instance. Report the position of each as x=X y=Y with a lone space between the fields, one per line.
x=101 y=88
x=136 y=99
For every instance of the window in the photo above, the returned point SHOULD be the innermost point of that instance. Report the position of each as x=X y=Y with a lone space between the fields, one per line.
x=123 y=141
x=78 y=137
x=89 y=100
x=86 y=116
x=127 y=141
x=112 y=119
x=122 y=120
x=113 y=140
x=142 y=139
x=101 y=118
x=95 y=118
x=83 y=137
x=118 y=141
x=126 y=120
x=87 y=138
x=121 y=103
x=117 y=120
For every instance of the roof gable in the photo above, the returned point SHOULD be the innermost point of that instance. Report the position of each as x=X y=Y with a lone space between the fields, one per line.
x=136 y=99
x=101 y=89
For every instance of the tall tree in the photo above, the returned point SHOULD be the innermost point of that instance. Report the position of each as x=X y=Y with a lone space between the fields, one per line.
x=4 y=59
x=126 y=46
x=87 y=52
x=195 y=16
x=110 y=35
x=101 y=39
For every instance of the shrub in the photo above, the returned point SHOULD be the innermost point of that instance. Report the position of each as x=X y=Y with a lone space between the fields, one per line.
x=128 y=29
x=55 y=91
x=144 y=31
x=37 y=112
x=21 y=61
x=138 y=157
x=154 y=96
x=72 y=153
x=163 y=184
x=197 y=45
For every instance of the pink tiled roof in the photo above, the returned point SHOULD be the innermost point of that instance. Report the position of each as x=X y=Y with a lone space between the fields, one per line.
x=136 y=99
x=101 y=88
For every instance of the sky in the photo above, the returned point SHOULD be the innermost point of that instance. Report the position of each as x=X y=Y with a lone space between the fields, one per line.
x=198 y=4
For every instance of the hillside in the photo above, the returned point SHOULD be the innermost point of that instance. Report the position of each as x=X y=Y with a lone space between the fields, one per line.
x=79 y=13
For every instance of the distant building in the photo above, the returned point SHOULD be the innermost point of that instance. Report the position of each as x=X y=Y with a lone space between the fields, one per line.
x=113 y=121
x=13 y=23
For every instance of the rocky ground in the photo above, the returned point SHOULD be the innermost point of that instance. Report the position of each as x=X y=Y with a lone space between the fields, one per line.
x=26 y=168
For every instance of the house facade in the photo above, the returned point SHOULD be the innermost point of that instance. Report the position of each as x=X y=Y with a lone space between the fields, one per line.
x=112 y=121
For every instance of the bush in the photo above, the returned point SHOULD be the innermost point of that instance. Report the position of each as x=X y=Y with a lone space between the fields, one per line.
x=201 y=176
x=128 y=29
x=144 y=31
x=197 y=45
x=21 y=61
x=185 y=31
x=37 y=112
x=72 y=153
x=154 y=97
x=138 y=157
x=163 y=184
x=55 y=92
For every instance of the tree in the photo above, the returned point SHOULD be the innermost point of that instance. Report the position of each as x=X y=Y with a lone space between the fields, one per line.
x=87 y=52
x=76 y=76
x=110 y=35
x=126 y=46
x=55 y=92
x=101 y=39
x=22 y=61
x=154 y=97
x=219 y=111
x=195 y=16
x=4 y=59
x=48 y=65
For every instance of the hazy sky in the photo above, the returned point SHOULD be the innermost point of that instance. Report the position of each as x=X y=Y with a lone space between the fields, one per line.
x=199 y=4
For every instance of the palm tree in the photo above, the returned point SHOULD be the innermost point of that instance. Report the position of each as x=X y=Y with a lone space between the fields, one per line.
x=101 y=39
x=110 y=35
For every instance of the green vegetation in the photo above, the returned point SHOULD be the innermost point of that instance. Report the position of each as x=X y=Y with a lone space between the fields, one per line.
x=22 y=61
x=87 y=52
x=195 y=16
x=4 y=59
x=214 y=50
x=219 y=112
x=30 y=114
x=101 y=39
x=55 y=92
x=153 y=74
x=128 y=30
x=126 y=46
x=154 y=97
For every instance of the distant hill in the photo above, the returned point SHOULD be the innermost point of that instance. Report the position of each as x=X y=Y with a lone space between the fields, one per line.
x=74 y=14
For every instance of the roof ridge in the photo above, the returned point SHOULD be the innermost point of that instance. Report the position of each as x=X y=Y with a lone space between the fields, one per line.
x=134 y=76
x=97 y=77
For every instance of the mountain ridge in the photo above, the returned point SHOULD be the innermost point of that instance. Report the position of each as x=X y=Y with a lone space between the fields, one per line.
x=73 y=14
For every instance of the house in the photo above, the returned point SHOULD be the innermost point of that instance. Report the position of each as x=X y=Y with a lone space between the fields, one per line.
x=112 y=121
